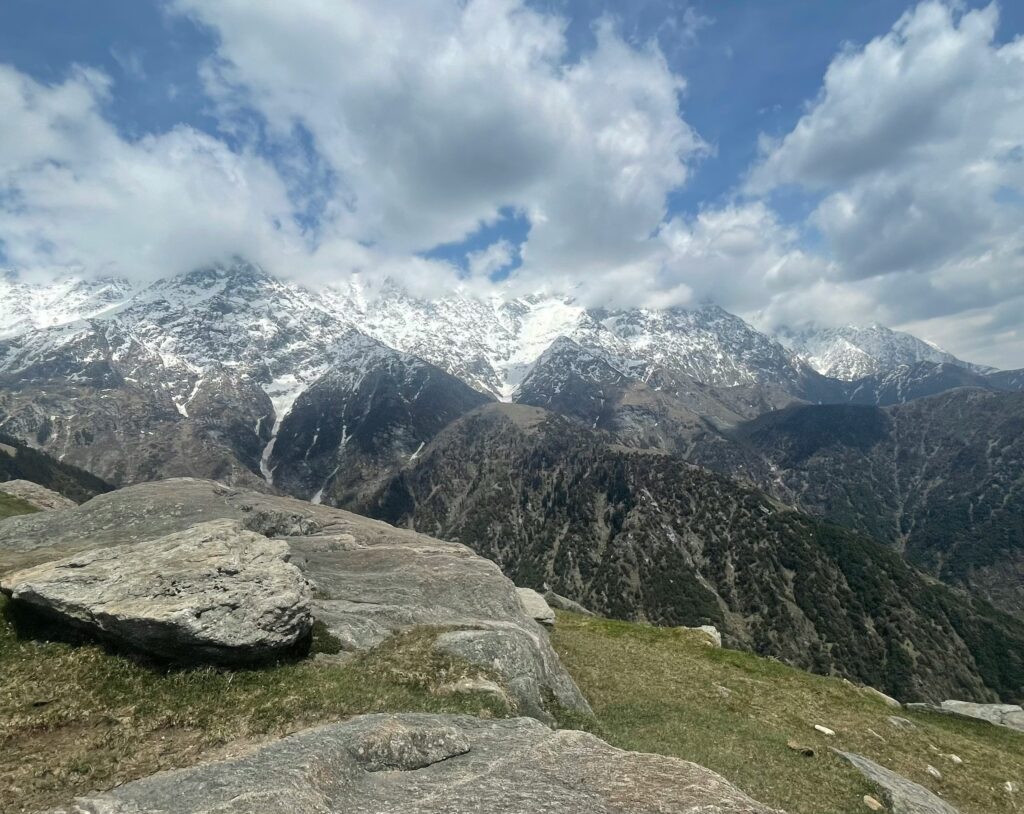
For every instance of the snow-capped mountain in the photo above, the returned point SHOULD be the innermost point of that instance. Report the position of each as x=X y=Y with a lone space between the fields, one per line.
x=493 y=343
x=855 y=352
x=25 y=307
x=198 y=374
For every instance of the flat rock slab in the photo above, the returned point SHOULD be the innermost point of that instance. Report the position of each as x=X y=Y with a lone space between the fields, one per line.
x=432 y=764
x=44 y=499
x=368 y=579
x=150 y=510
x=904 y=796
x=1009 y=715
x=365 y=592
x=213 y=593
x=535 y=606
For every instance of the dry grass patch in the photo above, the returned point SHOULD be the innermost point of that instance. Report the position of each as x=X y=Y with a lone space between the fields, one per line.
x=665 y=690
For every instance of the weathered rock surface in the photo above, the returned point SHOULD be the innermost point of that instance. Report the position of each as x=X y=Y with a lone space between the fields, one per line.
x=212 y=593
x=903 y=796
x=429 y=764
x=368 y=579
x=39 y=496
x=710 y=632
x=519 y=655
x=536 y=607
x=1011 y=715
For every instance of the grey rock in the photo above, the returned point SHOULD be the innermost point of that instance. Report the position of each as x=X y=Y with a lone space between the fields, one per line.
x=396 y=745
x=535 y=606
x=212 y=593
x=710 y=632
x=429 y=764
x=369 y=579
x=39 y=496
x=522 y=659
x=881 y=696
x=560 y=602
x=1009 y=715
x=903 y=796
x=149 y=510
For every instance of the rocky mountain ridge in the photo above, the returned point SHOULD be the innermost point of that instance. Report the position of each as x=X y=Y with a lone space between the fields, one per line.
x=852 y=352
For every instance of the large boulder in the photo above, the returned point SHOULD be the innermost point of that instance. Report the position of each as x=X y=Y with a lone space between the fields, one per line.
x=35 y=495
x=368 y=579
x=432 y=764
x=212 y=593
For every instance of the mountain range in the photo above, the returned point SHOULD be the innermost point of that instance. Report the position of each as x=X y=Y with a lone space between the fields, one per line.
x=808 y=492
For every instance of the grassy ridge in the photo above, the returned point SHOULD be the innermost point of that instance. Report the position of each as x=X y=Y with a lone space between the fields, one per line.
x=665 y=690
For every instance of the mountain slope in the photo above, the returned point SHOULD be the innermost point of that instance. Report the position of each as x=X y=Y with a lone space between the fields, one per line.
x=26 y=307
x=93 y=395
x=18 y=461
x=364 y=418
x=941 y=478
x=665 y=690
x=645 y=536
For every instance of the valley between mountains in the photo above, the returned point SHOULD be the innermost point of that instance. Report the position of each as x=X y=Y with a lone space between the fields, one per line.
x=848 y=501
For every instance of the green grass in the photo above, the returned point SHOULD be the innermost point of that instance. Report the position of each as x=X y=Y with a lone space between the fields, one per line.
x=664 y=690
x=76 y=718
x=10 y=505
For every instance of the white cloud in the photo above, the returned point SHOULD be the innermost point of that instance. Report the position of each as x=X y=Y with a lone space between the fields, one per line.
x=492 y=259
x=74 y=194
x=915 y=146
x=435 y=114
x=913 y=142
x=429 y=118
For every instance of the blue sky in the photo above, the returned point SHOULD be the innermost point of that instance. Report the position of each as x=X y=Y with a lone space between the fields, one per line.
x=656 y=152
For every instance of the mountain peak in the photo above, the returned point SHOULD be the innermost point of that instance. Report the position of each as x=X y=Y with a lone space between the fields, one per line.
x=854 y=352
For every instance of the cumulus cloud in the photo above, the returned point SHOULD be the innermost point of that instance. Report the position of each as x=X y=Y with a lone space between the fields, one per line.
x=914 y=142
x=436 y=114
x=915 y=149
x=490 y=261
x=75 y=195
x=355 y=137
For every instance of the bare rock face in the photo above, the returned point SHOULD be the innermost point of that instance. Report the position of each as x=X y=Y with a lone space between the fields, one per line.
x=39 y=496
x=432 y=764
x=904 y=796
x=211 y=593
x=368 y=579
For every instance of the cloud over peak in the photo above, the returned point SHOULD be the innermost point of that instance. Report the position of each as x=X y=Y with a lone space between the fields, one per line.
x=446 y=142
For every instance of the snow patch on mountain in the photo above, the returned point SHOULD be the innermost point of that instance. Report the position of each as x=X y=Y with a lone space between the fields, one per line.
x=855 y=352
x=26 y=307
